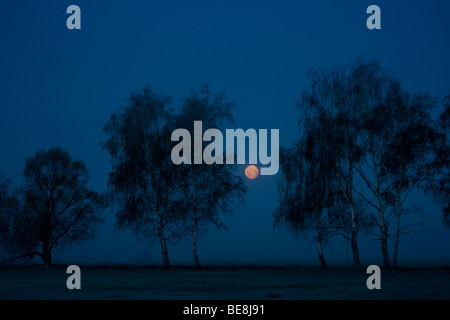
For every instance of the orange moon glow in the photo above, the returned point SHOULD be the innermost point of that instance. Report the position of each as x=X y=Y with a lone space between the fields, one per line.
x=251 y=172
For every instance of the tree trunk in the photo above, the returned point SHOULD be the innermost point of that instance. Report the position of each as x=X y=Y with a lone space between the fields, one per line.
x=162 y=239
x=394 y=260
x=46 y=251
x=384 y=239
x=348 y=192
x=354 y=244
x=354 y=237
x=383 y=226
x=397 y=234
x=384 y=247
x=195 y=222
x=165 y=255
x=46 y=256
x=320 y=251
x=194 y=245
x=46 y=232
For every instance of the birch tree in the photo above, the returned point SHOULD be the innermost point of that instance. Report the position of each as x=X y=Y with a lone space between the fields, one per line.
x=208 y=191
x=142 y=178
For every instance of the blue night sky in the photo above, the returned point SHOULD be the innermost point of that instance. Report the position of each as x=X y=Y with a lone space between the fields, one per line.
x=58 y=87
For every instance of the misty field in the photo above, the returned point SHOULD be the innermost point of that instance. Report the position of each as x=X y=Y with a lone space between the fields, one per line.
x=115 y=282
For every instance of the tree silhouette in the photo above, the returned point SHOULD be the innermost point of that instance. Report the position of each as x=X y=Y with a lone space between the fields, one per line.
x=409 y=157
x=142 y=179
x=368 y=144
x=329 y=95
x=55 y=207
x=307 y=193
x=372 y=89
x=208 y=190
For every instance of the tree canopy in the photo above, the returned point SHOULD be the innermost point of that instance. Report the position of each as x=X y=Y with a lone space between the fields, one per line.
x=54 y=208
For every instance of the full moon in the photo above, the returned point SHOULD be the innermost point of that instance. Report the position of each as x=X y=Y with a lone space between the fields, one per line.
x=251 y=172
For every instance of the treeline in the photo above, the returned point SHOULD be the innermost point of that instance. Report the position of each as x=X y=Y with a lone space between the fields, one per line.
x=149 y=194
x=364 y=146
x=156 y=198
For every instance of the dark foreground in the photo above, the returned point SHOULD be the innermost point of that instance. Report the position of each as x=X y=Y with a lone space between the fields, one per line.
x=234 y=283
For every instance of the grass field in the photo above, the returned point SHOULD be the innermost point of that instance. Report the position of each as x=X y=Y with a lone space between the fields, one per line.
x=128 y=282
